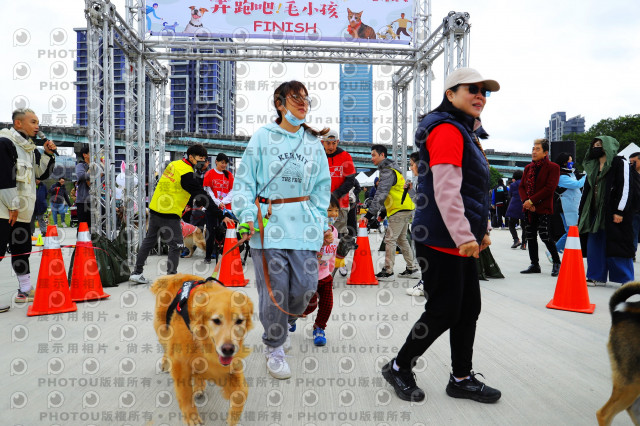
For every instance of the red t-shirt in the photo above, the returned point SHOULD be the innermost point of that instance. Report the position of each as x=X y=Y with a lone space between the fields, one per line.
x=340 y=166
x=219 y=184
x=445 y=145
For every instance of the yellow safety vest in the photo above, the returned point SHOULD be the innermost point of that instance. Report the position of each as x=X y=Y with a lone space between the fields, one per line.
x=169 y=196
x=393 y=203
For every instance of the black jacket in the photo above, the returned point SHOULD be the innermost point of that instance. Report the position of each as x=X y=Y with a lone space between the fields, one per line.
x=619 y=199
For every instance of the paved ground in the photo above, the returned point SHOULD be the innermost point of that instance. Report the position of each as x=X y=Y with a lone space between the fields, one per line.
x=99 y=366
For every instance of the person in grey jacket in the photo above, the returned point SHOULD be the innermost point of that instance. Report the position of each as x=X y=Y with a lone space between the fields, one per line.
x=399 y=212
x=83 y=201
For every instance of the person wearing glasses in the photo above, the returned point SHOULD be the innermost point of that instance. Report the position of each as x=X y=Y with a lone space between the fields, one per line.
x=450 y=229
x=21 y=163
x=606 y=213
x=284 y=170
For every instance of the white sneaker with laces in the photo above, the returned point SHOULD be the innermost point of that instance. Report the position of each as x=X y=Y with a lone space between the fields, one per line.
x=343 y=271
x=138 y=279
x=416 y=290
x=277 y=366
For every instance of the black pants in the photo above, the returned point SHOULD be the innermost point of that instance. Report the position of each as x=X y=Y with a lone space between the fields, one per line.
x=453 y=303
x=539 y=224
x=512 y=228
x=84 y=213
x=501 y=209
x=18 y=238
x=170 y=232
x=213 y=219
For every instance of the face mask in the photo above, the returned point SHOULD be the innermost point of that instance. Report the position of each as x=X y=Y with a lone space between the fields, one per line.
x=295 y=121
x=569 y=165
x=200 y=165
x=596 y=152
x=332 y=220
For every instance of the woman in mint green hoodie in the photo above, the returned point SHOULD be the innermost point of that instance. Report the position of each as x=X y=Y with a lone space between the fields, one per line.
x=285 y=168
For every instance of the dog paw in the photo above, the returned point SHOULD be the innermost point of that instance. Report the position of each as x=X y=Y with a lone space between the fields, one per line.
x=193 y=419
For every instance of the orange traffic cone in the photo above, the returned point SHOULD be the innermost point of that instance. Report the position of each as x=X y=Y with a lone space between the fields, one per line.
x=571 y=288
x=230 y=266
x=52 y=296
x=85 y=279
x=362 y=267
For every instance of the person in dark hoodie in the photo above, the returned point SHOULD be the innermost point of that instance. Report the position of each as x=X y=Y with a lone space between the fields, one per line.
x=606 y=213
x=83 y=198
x=399 y=209
x=514 y=211
x=40 y=208
x=450 y=230
x=59 y=196
x=343 y=179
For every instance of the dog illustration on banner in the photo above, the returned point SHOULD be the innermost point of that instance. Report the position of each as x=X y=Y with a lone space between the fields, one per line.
x=195 y=24
x=357 y=29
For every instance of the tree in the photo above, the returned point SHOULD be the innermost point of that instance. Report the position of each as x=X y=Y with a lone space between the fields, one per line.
x=625 y=129
x=494 y=175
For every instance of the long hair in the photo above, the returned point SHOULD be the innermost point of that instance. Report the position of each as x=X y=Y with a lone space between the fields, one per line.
x=280 y=98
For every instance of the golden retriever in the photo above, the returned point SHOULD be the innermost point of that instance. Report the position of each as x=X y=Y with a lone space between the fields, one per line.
x=624 y=353
x=210 y=348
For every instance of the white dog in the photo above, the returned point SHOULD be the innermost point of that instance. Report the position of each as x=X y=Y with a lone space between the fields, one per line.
x=194 y=24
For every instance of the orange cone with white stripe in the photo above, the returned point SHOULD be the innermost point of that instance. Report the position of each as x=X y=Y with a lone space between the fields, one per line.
x=362 y=267
x=571 y=288
x=231 y=273
x=85 y=278
x=52 y=294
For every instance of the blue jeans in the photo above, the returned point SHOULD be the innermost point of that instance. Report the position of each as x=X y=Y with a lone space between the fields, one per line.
x=619 y=269
x=563 y=240
x=58 y=209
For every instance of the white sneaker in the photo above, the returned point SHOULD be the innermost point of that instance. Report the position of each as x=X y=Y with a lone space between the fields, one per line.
x=277 y=366
x=343 y=271
x=416 y=290
x=138 y=279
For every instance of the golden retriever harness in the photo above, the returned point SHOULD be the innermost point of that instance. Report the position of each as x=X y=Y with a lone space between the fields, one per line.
x=179 y=303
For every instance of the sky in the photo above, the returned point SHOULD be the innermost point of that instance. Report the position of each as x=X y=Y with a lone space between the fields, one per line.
x=580 y=57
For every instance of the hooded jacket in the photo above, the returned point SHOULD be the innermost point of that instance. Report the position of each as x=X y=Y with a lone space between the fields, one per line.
x=608 y=192
x=20 y=164
x=298 y=172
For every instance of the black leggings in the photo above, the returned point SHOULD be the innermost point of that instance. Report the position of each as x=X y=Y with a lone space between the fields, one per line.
x=512 y=228
x=453 y=303
x=18 y=237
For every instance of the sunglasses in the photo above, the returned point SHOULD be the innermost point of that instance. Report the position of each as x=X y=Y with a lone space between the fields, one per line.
x=474 y=90
x=300 y=99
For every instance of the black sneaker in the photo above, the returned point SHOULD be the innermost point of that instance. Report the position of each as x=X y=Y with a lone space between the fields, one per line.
x=207 y=260
x=384 y=274
x=516 y=244
x=410 y=273
x=532 y=269
x=403 y=382
x=472 y=388
x=556 y=270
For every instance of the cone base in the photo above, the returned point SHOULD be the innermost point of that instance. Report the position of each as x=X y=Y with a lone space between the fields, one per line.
x=353 y=282
x=588 y=310
x=88 y=297
x=32 y=312
x=241 y=284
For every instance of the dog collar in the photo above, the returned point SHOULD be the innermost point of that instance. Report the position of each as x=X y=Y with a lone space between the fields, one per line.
x=197 y=26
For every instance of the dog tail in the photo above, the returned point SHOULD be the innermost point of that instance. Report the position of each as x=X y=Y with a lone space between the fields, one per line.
x=617 y=303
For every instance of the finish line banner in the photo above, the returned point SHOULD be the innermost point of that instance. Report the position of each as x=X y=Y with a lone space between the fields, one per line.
x=370 y=21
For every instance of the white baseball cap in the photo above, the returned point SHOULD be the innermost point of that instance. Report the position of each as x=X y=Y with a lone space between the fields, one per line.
x=469 y=75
